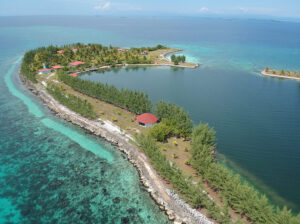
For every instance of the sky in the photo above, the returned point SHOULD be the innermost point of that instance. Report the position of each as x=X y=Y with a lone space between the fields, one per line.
x=219 y=8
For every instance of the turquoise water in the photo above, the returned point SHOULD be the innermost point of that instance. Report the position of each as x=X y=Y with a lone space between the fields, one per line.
x=256 y=118
x=52 y=171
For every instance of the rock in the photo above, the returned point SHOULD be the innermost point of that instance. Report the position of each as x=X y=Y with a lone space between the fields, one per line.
x=171 y=215
x=125 y=220
x=26 y=211
x=131 y=210
x=116 y=200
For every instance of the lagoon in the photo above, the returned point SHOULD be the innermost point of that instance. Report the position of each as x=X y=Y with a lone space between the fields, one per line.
x=256 y=118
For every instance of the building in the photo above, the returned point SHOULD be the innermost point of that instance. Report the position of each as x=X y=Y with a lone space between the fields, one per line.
x=56 y=67
x=145 y=52
x=75 y=50
x=74 y=75
x=60 y=51
x=147 y=119
x=44 y=71
x=75 y=63
x=120 y=50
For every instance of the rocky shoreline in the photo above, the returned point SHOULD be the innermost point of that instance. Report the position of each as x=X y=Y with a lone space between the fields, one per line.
x=167 y=200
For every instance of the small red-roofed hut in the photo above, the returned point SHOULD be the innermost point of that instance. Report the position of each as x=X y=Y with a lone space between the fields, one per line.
x=147 y=119
x=75 y=63
x=44 y=71
x=56 y=67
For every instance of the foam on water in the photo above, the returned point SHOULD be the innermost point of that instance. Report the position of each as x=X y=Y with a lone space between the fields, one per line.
x=32 y=107
x=80 y=139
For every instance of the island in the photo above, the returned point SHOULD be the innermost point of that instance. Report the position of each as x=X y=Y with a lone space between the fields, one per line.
x=280 y=74
x=175 y=158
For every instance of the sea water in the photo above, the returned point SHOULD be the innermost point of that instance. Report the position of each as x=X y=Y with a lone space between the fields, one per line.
x=256 y=118
x=52 y=171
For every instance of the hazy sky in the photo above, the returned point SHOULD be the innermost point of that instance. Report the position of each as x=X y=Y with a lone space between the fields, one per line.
x=278 y=8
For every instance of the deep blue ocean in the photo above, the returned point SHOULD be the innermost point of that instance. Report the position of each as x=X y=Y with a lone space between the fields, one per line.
x=51 y=170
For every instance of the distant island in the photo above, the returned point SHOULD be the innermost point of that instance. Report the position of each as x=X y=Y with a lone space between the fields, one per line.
x=280 y=74
x=175 y=159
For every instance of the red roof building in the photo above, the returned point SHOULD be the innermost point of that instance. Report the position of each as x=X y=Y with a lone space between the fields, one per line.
x=56 y=67
x=76 y=63
x=60 y=51
x=44 y=71
x=147 y=119
x=75 y=50
x=74 y=75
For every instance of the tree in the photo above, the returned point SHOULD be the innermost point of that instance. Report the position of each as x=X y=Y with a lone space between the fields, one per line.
x=173 y=57
x=161 y=131
x=175 y=117
x=176 y=61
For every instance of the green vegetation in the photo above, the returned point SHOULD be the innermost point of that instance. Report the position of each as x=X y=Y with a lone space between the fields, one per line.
x=175 y=117
x=161 y=131
x=134 y=101
x=92 y=54
x=192 y=193
x=72 y=102
x=177 y=59
x=282 y=72
x=26 y=68
x=234 y=192
x=158 y=47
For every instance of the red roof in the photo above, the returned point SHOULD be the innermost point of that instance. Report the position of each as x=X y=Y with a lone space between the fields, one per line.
x=146 y=118
x=60 y=51
x=146 y=51
x=75 y=49
x=56 y=66
x=77 y=63
x=74 y=75
x=45 y=69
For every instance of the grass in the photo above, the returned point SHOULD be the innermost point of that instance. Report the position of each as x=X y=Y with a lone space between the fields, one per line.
x=123 y=118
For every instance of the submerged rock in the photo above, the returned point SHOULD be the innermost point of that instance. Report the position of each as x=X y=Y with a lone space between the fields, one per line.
x=26 y=211
x=131 y=210
x=116 y=200
x=51 y=140
x=125 y=220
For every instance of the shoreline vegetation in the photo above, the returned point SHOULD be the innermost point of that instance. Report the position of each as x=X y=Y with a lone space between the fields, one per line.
x=181 y=153
x=281 y=74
